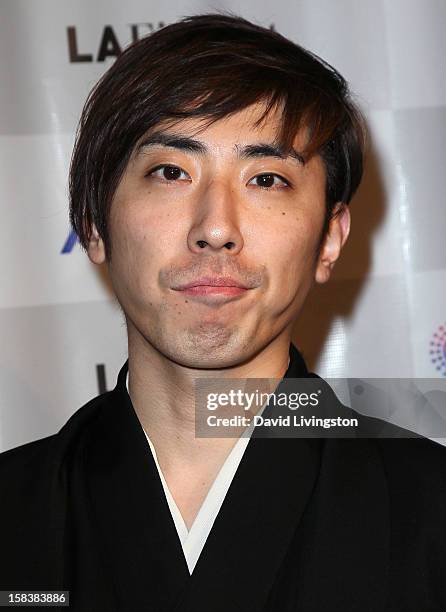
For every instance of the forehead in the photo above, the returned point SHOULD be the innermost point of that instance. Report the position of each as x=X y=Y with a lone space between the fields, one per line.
x=242 y=121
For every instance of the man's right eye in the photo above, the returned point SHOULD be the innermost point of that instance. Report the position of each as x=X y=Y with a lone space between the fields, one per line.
x=168 y=173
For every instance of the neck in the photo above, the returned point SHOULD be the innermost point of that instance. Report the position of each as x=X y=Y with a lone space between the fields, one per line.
x=162 y=394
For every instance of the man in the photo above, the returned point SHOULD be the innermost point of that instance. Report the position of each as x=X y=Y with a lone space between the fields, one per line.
x=211 y=173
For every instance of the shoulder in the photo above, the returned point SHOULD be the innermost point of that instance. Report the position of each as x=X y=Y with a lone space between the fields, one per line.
x=24 y=456
x=34 y=482
x=30 y=461
x=416 y=461
x=415 y=475
x=412 y=463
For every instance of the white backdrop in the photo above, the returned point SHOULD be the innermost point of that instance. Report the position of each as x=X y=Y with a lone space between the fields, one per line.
x=384 y=312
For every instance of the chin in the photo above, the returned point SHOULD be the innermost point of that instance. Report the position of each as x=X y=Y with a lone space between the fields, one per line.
x=217 y=352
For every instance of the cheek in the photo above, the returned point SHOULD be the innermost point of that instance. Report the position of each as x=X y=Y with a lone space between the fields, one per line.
x=291 y=251
x=138 y=243
x=142 y=233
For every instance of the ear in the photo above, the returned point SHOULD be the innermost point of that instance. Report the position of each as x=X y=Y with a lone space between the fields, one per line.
x=96 y=248
x=335 y=238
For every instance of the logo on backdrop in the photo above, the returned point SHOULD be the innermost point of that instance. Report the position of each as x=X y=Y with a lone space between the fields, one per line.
x=69 y=243
x=108 y=44
x=101 y=378
x=438 y=349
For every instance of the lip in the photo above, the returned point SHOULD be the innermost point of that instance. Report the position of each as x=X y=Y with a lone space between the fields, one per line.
x=212 y=282
x=214 y=290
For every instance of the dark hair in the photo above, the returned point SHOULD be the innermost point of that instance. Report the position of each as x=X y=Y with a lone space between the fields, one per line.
x=210 y=66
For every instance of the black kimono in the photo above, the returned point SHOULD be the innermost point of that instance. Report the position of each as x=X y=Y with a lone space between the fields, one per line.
x=309 y=524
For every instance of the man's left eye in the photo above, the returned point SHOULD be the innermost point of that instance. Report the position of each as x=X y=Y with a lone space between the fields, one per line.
x=270 y=181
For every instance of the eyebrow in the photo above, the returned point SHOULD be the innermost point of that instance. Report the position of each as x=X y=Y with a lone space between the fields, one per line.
x=190 y=145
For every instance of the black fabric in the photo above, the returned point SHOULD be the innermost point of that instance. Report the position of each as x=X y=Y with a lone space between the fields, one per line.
x=308 y=524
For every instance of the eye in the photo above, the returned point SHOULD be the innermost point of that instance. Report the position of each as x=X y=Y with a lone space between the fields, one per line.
x=270 y=181
x=168 y=173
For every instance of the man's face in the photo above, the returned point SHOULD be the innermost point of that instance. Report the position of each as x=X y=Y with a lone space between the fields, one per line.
x=223 y=208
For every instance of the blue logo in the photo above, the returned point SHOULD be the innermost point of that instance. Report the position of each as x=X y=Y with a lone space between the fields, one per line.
x=69 y=243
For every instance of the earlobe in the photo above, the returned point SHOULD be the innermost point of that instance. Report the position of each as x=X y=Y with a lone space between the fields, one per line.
x=337 y=234
x=96 y=247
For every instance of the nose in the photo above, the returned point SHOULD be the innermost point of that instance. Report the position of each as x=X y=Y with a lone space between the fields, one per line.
x=216 y=222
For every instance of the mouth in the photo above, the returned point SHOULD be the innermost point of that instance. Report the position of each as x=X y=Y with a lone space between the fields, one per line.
x=213 y=290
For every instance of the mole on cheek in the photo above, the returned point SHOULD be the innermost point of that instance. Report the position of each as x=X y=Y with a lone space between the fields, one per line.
x=283 y=213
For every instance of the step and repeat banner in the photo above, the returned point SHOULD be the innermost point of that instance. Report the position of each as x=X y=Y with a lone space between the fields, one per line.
x=62 y=335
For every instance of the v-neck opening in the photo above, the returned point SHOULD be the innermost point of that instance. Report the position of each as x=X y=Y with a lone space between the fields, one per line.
x=193 y=539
